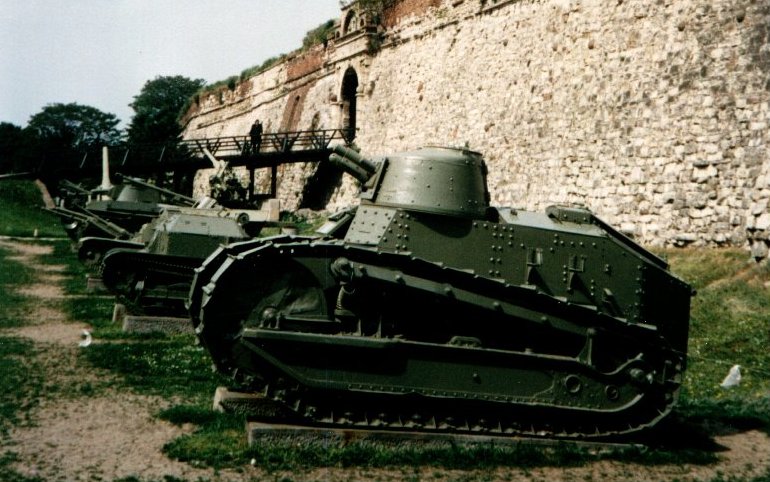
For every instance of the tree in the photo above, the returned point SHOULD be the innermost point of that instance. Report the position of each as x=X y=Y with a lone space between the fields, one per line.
x=11 y=140
x=157 y=109
x=73 y=126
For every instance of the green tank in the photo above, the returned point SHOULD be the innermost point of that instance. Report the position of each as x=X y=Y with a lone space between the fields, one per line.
x=118 y=212
x=427 y=309
x=151 y=273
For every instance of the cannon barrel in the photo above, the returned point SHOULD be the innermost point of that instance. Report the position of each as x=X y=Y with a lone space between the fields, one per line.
x=350 y=167
x=74 y=187
x=355 y=158
x=20 y=175
x=166 y=192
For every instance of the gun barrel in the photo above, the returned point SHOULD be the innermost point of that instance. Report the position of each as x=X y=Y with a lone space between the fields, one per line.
x=89 y=217
x=174 y=195
x=350 y=167
x=19 y=175
x=356 y=158
x=74 y=187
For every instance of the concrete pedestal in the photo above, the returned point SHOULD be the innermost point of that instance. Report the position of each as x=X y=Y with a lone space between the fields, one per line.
x=253 y=405
x=157 y=324
x=269 y=422
x=95 y=285
x=259 y=432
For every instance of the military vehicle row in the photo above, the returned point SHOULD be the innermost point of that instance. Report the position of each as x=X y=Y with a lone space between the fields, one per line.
x=150 y=270
x=426 y=308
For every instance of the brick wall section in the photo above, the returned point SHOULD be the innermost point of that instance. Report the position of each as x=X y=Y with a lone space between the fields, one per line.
x=303 y=65
x=653 y=114
x=294 y=107
x=398 y=11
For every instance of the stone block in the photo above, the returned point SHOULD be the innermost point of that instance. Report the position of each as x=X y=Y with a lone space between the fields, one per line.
x=95 y=285
x=251 y=404
x=702 y=174
x=266 y=433
x=118 y=313
x=762 y=222
x=759 y=207
x=157 y=324
x=759 y=249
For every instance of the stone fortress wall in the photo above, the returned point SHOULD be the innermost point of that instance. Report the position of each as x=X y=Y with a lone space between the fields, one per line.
x=654 y=114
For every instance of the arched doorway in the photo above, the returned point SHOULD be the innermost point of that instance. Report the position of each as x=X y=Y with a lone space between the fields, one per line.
x=350 y=23
x=349 y=88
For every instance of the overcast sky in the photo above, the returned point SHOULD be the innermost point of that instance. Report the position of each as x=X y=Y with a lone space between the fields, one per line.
x=101 y=52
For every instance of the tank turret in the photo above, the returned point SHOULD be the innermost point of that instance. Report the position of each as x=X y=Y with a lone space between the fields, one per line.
x=434 y=180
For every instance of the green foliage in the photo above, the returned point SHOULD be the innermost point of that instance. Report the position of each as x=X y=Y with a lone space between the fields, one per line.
x=13 y=275
x=318 y=35
x=728 y=322
x=21 y=213
x=198 y=415
x=18 y=370
x=16 y=146
x=158 y=107
x=374 y=43
x=97 y=310
x=252 y=71
x=304 y=225
x=701 y=267
x=171 y=367
x=20 y=194
x=733 y=412
x=375 y=8
x=230 y=83
x=218 y=442
x=74 y=127
x=227 y=189
x=75 y=272
x=741 y=478
x=9 y=475
x=92 y=308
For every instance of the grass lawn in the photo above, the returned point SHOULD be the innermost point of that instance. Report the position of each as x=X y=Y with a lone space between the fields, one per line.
x=21 y=211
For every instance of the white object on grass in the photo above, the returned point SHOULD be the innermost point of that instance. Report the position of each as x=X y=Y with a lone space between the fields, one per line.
x=733 y=377
x=86 y=339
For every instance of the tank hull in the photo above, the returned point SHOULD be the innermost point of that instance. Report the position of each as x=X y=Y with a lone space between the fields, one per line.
x=423 y=346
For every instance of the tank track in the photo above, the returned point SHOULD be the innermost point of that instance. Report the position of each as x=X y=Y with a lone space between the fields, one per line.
x=649 y=380
x=148 y=284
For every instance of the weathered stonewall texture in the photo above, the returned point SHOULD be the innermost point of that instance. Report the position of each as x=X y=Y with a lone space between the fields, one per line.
x=653 y=114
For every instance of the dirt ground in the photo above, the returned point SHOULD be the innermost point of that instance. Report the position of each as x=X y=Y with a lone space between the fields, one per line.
x=86 y=438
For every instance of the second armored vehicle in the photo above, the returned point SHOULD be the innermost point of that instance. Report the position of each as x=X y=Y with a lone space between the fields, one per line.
x=151 y=273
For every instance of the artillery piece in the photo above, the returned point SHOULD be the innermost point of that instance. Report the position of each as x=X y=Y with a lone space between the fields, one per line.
x=425 y=308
